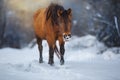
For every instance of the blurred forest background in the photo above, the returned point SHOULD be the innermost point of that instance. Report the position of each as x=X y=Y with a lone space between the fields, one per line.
x=96 y=17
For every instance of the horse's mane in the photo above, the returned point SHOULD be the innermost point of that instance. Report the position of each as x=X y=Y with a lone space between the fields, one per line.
x=52 y=13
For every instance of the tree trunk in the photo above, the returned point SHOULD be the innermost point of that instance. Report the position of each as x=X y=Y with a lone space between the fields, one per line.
x=2 y=22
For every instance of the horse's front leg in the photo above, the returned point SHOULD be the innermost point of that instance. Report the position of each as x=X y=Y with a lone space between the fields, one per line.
x=51 y=55
x=62 y=51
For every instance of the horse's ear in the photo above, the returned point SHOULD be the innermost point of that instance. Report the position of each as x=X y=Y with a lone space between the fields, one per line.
x=69 y=11
x=59 y=12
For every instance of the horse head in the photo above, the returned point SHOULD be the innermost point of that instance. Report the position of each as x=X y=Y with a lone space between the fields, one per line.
x=65 y=22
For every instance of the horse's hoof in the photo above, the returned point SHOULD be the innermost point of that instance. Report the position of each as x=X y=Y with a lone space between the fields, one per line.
x=61 y=62
x=51 y=63
x=40 y=61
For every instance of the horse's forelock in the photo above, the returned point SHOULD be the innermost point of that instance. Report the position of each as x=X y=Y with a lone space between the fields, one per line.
x=51 y=13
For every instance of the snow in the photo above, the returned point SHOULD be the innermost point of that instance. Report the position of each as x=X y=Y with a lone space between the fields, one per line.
x=83 y=57
x=88 y=7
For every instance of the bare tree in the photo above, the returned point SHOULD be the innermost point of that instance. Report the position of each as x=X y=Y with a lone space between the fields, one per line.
x=2 y=22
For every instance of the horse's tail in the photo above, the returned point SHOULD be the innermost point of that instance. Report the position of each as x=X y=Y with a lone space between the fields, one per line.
x=57 y=52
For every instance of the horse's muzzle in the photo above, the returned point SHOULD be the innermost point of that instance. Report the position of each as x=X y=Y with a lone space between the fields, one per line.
x=67 y=37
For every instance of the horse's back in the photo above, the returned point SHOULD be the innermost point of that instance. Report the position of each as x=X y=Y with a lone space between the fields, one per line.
x=39 y=21
x=37 y=13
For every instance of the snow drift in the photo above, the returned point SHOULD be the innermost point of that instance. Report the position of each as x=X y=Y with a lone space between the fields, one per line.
x=86 y=59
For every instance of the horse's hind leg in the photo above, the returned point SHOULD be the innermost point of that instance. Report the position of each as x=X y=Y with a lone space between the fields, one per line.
x=40 y=47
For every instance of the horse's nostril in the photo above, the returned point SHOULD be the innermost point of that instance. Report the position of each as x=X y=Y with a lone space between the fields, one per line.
x=69 y=35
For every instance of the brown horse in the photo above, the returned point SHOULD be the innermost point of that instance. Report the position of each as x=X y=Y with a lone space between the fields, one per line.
x=52 y=24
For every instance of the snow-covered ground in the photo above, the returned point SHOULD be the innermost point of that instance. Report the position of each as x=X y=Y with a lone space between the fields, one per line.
x=83 y=57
